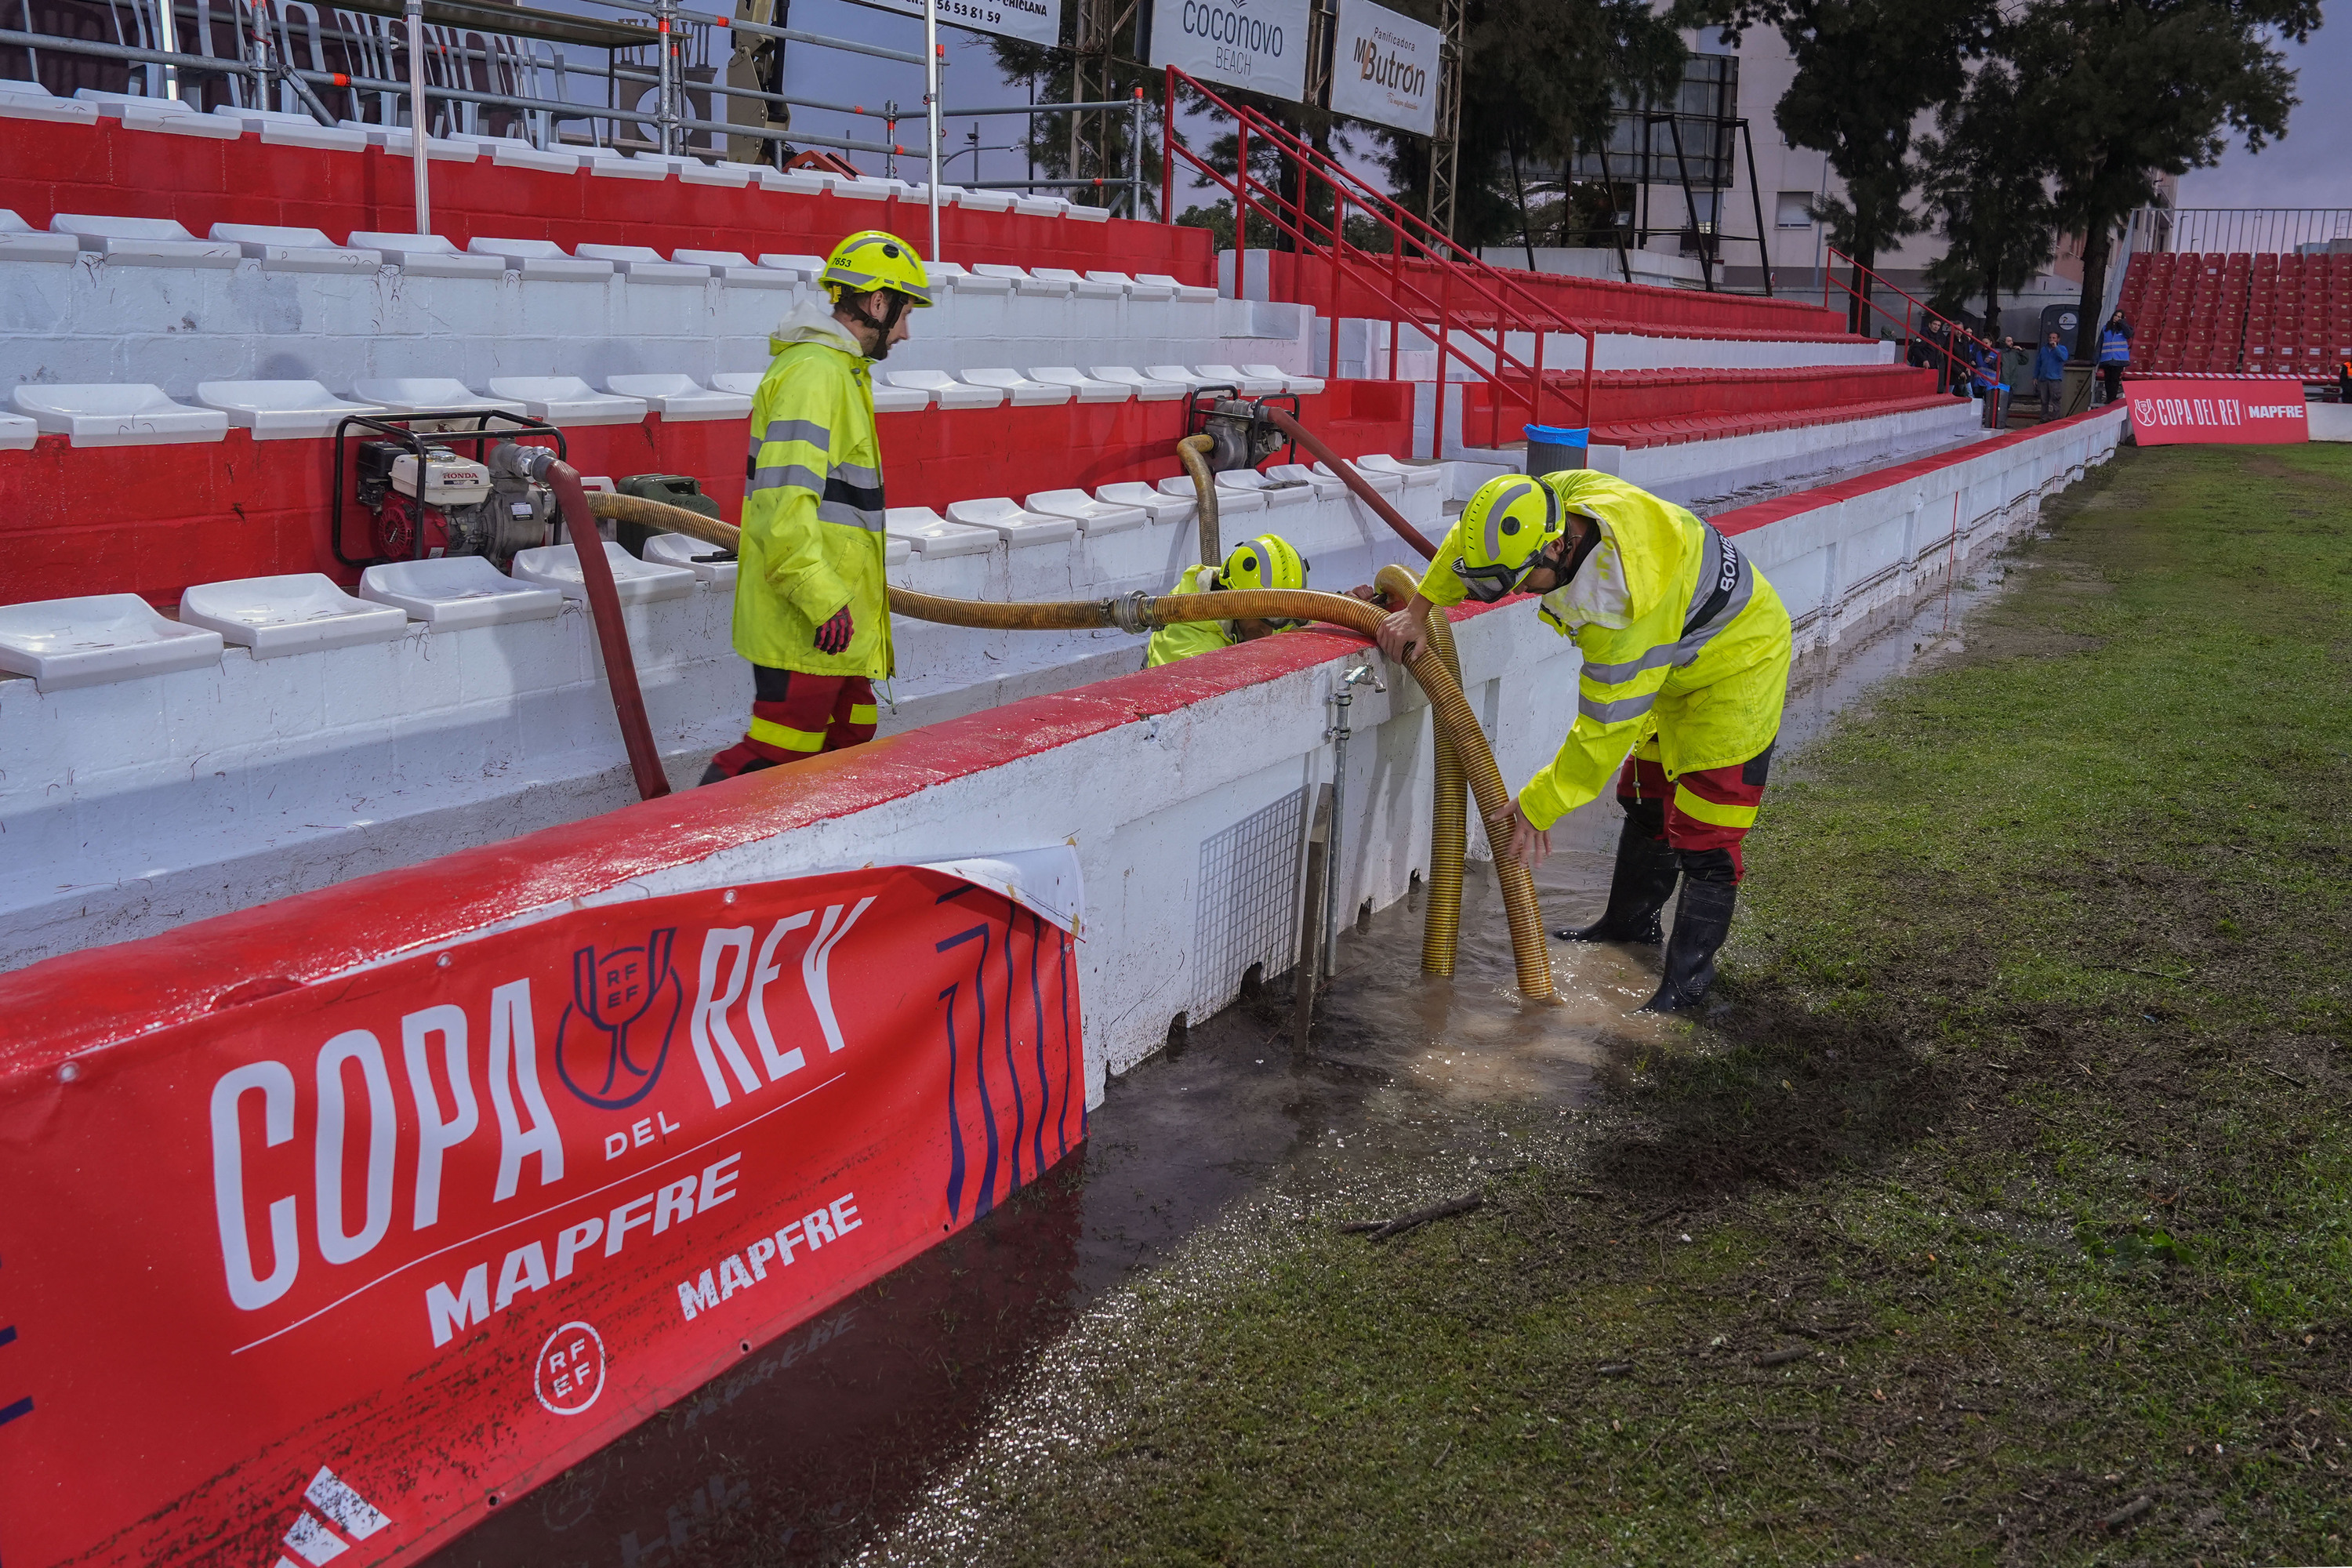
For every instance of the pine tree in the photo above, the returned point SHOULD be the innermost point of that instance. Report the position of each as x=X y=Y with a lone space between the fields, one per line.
x=1987 y=186
x=1866 y=71
x=2120 y=92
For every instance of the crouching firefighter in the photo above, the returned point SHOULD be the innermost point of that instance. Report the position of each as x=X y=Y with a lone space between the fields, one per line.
x=1267 y=562
x=1685 y=653
x=811 y=608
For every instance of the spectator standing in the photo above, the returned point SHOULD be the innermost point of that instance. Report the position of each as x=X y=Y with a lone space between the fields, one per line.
x=2115 y=356
x=2050 y=375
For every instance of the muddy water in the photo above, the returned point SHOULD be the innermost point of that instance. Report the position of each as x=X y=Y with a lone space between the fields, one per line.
x=863 y=1434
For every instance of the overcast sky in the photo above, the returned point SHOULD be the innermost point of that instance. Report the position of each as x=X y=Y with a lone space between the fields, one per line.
x=2308 y=168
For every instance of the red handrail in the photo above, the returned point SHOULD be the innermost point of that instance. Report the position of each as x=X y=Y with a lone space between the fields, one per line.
x=1511 y=306
x=1954 y=331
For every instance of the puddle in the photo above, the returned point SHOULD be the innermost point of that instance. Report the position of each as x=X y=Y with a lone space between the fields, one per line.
x=852 y=1437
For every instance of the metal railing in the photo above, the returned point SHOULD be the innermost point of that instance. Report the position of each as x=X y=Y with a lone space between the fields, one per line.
x=1915 y=318
x=1133 y=182
x=1476 y=306
x=462 y=66
x=2259 y=230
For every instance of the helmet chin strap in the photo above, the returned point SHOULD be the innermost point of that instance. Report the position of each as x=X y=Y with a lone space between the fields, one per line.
x=880 y=328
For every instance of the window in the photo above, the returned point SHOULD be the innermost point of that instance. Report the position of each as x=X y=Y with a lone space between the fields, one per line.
x=1793 y=210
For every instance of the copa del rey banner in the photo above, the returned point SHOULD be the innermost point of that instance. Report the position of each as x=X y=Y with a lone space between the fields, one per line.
x=2236 y=412
x=334 y=1274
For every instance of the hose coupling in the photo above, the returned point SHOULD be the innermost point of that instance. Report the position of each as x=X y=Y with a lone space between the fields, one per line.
x=511 y=459
x=1130 y=613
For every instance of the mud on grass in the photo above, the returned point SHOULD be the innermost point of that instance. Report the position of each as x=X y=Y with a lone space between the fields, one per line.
x=1997 y=1213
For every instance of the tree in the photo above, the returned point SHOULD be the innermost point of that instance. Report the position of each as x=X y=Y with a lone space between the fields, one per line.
x=1053 y=143
x=1541 y=82
x=2121 y=91
x=1866 y=71
x=1987 y=187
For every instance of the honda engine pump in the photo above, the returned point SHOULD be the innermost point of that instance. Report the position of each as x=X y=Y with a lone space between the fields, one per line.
x=436 y=502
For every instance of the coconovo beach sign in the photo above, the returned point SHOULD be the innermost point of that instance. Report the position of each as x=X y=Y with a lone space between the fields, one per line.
x=1260 y=44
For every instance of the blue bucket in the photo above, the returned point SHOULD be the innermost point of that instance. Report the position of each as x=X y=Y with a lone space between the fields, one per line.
x=1552 y=448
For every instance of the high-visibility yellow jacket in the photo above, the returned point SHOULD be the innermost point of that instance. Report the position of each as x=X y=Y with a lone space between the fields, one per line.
x=813 y=510
x=1682 y=636
x=1185 y=640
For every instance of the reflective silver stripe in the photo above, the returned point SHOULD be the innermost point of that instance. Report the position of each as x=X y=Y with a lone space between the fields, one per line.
x=1677 y=654
x=854 y=474
x=799 y=474
x=862 y=282
x=849 y=516
x=1495 y=511
x=808 y=430
x=1615 y=712
x=1613 y=674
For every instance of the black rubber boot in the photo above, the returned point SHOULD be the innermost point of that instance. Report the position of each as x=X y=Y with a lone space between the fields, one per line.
x=1702 y=920
x=1638 y=890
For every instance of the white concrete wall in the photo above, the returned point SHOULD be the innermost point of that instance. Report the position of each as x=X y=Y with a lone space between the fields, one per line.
x=131 y=807
x=1840 y=565
x=174 y=327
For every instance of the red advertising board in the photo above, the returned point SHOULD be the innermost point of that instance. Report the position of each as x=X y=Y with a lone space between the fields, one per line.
x=2236 y=412
x=337 y=1271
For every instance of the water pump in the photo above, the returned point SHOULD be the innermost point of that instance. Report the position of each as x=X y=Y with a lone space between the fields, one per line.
x=423 y=497
x=1242 y=437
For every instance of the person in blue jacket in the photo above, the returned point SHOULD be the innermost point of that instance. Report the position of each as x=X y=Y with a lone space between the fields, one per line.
x=2114 y=355
x=2050 y=375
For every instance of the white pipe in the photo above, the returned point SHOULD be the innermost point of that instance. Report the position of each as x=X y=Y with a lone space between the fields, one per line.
x=419 y=122
x=931 y=109
x=167 y=38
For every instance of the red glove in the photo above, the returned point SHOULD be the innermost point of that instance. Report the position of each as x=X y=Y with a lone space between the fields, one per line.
x=835 y=635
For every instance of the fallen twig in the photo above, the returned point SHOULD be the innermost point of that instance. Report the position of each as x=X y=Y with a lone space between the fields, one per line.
x=2129 y=1512
x=1654 y=1215
x=1381 y=1229
x=1615 y=1369
x=1782 y=1358
x=2288 y=1076
x=2151 y=973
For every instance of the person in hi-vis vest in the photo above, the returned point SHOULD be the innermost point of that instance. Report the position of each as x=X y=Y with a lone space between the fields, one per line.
x=1685 y=653
x=812 y=609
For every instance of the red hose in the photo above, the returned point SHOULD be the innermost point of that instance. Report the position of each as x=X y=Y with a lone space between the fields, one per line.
x=1350 y=478
x=611 y=635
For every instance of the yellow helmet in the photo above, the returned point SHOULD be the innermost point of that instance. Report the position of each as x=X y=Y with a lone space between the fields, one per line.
x=871 y=259
x=1503 y=530
x=1267 y=562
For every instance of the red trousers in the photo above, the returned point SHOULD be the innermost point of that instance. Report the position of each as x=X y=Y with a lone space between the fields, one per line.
x=795 y=716
x=1702 y=815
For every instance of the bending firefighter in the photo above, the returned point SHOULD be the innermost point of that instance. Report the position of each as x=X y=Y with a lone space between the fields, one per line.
x=811 y=610
x=1686 y=663
x=1266 y=561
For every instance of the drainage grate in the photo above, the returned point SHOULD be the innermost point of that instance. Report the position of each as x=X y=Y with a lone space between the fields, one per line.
x=1246 y=910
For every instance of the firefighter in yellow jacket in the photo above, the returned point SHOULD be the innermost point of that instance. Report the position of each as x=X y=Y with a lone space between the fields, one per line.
x=812 y=609
x=1269 y=561
x=1685 y=653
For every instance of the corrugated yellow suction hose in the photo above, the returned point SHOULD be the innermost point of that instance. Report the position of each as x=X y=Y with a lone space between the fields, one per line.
x=1194 y=451
x=1449 y=828
x=1139 y=613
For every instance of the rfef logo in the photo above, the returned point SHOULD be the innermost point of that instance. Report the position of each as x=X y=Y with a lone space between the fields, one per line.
x=614 y=1036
